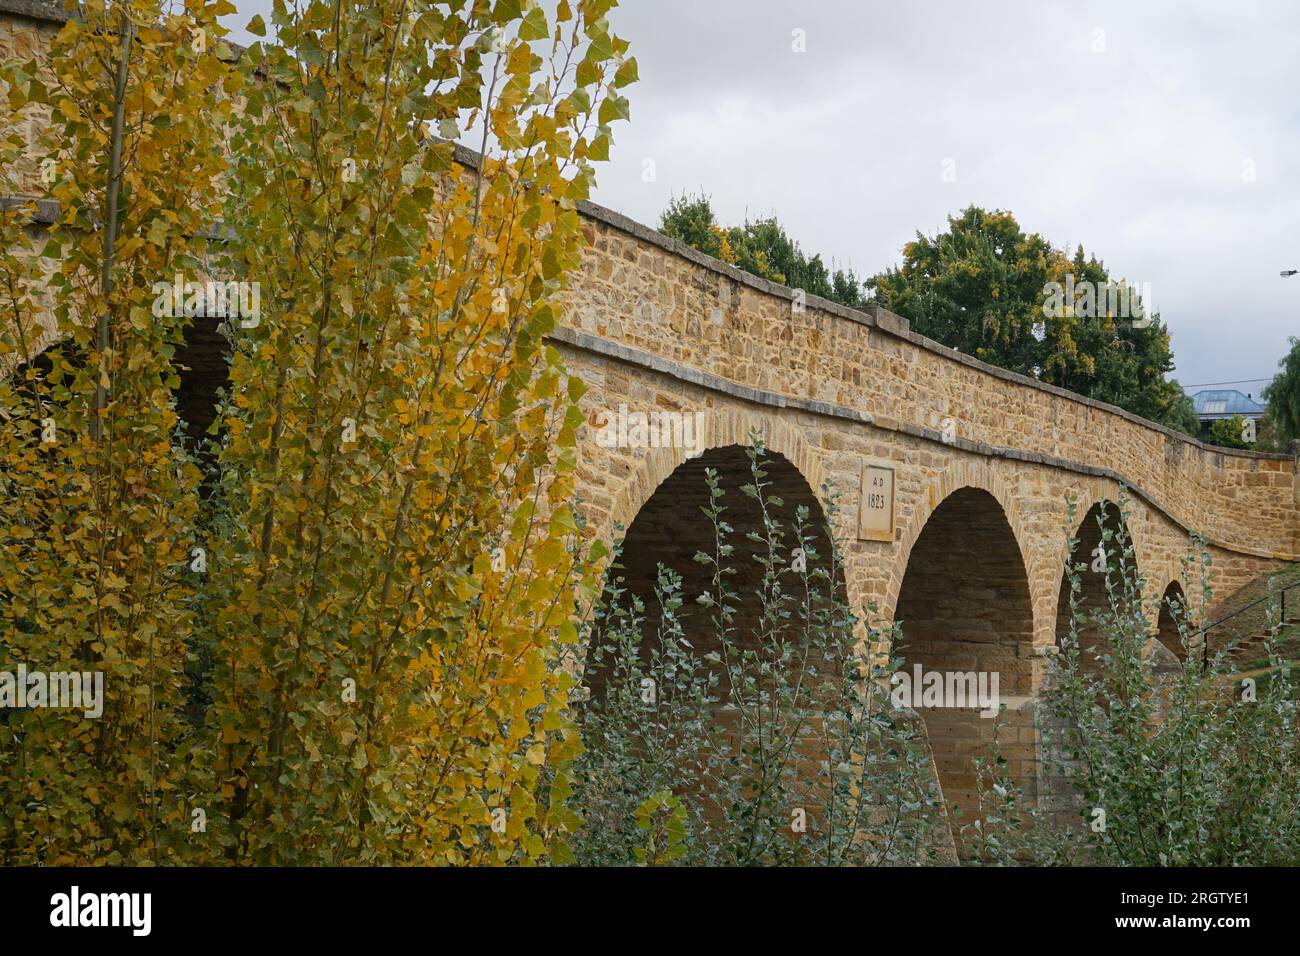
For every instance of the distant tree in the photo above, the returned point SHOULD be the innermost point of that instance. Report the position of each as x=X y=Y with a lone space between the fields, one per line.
x=1283 y=396
x=1182 y=411
x=977 y=288
x=760 y=247
x=982 y=287
x=1229 y=433
x=1268 y=436
x=691 y=220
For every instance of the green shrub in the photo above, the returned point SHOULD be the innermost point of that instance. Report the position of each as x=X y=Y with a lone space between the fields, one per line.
x=782 y=748
x=696 y=757
x=1181 y=767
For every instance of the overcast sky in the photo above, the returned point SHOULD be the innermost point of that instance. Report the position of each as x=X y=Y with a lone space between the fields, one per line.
x=1163 y=137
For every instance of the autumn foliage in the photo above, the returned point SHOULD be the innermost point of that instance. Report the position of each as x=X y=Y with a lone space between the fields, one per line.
x=333 y=635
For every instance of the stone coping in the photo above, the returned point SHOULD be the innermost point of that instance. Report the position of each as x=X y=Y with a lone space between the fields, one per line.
x=43 y=10
x=894 y=325
x=47 y=210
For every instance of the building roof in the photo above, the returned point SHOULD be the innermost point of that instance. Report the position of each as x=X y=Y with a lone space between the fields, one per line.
x=1224 y=403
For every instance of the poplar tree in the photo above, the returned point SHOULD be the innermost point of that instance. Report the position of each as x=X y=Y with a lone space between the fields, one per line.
x=398 y=559
x=334 y=637
x=98 y=502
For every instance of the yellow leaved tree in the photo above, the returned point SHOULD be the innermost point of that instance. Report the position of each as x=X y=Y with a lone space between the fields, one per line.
x=98 y=501
x=364 y=664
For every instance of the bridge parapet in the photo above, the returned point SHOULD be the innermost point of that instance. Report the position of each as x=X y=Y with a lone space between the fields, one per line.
x=643 y=294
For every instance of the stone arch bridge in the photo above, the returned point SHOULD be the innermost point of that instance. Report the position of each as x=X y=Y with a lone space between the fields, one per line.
x=954 y=477
x=652 y=326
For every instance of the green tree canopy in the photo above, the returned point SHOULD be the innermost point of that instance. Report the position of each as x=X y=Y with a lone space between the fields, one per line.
x=1283 y=395
x=761 y=247
x=988 y=289
x=1229 y=433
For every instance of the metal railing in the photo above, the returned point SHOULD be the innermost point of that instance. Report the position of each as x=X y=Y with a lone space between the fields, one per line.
x=1279 y=594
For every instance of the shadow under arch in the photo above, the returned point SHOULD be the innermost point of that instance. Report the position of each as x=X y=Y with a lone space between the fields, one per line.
x=671 y=527
x=1173 y=608
x=965 y=609
x=1093 y=555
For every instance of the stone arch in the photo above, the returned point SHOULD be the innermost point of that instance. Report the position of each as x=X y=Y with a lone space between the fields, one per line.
x=1092 y=595
x=1173 y=607
x=966 y=610
x=721 y=428
x=960 y=474
x=670 y=528
x=1144 y=537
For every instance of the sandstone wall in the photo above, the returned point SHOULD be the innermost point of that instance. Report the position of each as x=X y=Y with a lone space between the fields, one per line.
x=644 y=292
